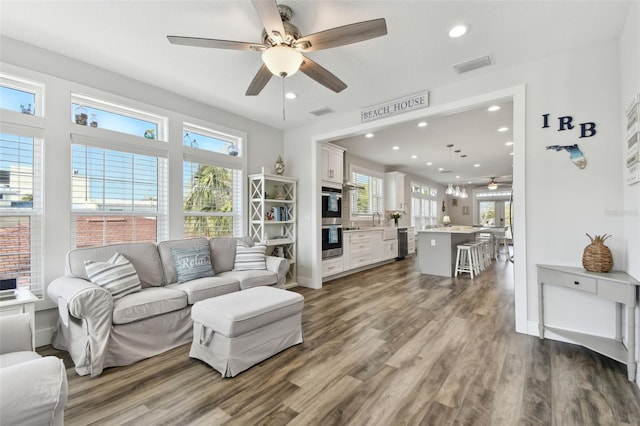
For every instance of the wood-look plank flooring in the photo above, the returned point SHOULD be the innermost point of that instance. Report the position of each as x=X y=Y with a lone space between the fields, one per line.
x=387 y=346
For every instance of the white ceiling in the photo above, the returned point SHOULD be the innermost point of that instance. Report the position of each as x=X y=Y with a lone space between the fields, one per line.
x=129 y=37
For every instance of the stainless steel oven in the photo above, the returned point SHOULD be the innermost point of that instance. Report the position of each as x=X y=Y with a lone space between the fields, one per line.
x=331 y=206
x=331 y=241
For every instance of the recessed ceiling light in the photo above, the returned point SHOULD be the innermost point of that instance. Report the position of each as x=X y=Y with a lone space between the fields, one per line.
x=395 y=148
x=414 y=156
x=511 y=153
x=368 y=135
x=503 y=129
x=469 y=182
x=476 y=165
x=440 y=169
x=429 y=163
x=457 y=177
x=493 y=108
x=458 y=31
x=422 y=124
x=291 y=95
x=508 y=143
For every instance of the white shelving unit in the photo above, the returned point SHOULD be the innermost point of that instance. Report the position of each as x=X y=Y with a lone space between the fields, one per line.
x=272 y=216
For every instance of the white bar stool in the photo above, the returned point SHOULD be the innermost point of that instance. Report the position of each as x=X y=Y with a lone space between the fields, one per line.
x=478 y=266
x=464 y=261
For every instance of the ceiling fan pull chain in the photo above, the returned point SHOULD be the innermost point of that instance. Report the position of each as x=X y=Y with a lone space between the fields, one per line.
x=283 y=117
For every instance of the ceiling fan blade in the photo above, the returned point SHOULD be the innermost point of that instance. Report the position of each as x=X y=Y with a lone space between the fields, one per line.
x=270 y=17
x=322 y=76
x=260 y=80
x=340 y=36
x=214 y=44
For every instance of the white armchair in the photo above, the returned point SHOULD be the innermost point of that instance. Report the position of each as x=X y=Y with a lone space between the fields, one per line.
x=33 y=389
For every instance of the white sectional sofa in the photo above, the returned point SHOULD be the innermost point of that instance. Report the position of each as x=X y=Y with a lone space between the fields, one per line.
x=99 y=331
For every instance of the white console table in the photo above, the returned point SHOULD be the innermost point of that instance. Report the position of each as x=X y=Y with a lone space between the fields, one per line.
x=23 y=302
x=615 y=286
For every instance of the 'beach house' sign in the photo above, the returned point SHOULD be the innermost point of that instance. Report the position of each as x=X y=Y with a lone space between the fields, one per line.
x=396 y=106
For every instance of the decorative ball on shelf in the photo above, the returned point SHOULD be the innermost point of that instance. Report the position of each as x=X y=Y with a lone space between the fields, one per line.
x=279 y=166
x=596 y=256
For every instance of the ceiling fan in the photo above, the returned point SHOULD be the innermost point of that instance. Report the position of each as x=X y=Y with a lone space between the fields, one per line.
x=283 y=45
x=493 y=184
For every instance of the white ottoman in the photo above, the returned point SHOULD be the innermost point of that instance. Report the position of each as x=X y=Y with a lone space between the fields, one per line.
x=235 y=331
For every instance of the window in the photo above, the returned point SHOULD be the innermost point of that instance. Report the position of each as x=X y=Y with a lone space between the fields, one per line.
x=91 y=112
x=424 y=205
x=211 y=201
x=370 y=198
x=213 y=183
x=198 y=137
x=117 y=196
x=21 y=210
x=17 y=94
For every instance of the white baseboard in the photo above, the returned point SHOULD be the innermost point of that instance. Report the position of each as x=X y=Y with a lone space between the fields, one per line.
x=44 y=336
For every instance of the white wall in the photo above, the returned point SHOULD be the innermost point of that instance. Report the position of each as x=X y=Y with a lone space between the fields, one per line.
x=630 y=86
x=63 y=75
x=562 y=202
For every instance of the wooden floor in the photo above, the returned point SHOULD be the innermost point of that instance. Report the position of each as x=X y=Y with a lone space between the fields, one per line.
x=382 y=347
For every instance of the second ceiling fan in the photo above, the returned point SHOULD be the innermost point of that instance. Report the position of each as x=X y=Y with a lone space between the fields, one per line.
x=283 y=45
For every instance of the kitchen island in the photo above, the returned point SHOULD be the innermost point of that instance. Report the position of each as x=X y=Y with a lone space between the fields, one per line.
x=437 y=248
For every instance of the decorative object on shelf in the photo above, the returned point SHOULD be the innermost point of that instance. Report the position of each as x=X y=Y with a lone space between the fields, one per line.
x=597 y=257
x=26 y=110
x=94 y=121
x=279 y=166
x=233 y=150
x=395 y=216
x=278 y=192
x=150 y=134
x=81 y=115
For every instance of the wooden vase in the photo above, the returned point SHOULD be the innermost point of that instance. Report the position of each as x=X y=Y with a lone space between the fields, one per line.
x=596 y=256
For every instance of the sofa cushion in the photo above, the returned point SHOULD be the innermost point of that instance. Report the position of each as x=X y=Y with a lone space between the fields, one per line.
x=147 y=303
x=143 y=256
x=13 y=358
x=251 y=278
x=117 y=275
x=168 y=265
x=192 y=262
x=250 y=258
x=205 y=288
x=223 y=253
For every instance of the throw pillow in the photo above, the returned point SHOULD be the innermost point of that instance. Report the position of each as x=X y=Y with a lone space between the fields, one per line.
x=250 y=258
x=116 y=275
x=192 y=263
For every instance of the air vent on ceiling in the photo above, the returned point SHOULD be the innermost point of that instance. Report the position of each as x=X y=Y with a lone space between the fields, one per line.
x=322 y=111
x=445 y=171
x=473 y=64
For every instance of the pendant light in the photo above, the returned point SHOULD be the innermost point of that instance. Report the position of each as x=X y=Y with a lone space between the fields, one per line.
x=450 y=189
x=457 y=192
x=464 y=190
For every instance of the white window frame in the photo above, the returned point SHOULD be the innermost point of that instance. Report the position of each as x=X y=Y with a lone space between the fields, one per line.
x=380 y=195
x=428 y=198
x=25 y=85
x=93 y=102
x=210 y=158
x=35 y=213
x=131 y=147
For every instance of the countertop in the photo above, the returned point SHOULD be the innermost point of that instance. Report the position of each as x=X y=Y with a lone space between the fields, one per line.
x=454 y=230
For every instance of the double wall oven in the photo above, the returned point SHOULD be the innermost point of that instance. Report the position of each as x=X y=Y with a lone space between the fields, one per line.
x=331 y=222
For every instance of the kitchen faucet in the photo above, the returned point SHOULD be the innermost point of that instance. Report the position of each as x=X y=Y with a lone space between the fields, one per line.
x=373 y=218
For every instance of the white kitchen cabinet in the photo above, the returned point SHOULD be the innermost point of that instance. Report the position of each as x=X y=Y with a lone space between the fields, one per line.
x=390 y=249
x=411 y=241
x=332 y=164
x=376 y=246
x=332 y=266
x=394 y=196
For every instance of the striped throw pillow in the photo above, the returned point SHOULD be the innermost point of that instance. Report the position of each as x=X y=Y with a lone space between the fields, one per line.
x=116 y=275
x=250 y=258
x=192 y=263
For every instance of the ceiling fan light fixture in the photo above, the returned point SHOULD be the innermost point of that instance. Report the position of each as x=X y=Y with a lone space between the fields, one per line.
x=282 y=61
x=493 y=185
